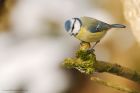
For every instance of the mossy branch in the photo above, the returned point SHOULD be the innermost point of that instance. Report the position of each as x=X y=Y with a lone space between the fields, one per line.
x=101 y=66
x=86 y=62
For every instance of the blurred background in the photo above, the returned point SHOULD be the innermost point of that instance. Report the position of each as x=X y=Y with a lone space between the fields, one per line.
x=33 y=44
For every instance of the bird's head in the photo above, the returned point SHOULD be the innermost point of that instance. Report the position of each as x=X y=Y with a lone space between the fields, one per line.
x=72 y=26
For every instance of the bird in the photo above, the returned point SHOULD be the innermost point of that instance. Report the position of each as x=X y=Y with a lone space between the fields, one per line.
x=88 y=29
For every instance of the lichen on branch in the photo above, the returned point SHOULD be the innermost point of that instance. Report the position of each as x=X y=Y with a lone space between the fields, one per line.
x=86 y=62
x=118 y=70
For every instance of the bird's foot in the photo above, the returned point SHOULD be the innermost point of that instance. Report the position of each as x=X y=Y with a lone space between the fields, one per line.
x=91 y=50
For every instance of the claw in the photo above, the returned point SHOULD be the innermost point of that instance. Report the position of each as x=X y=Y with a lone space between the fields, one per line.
x=90 y=50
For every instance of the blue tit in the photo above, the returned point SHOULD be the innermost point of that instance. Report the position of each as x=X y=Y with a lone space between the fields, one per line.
x=88 y=29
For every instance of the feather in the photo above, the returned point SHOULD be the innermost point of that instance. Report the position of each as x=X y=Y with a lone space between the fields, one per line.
x=118 y=26
x=94 y=25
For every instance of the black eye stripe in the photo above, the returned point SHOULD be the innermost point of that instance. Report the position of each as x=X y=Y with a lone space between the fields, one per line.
x=79 y=21
x=73 y=25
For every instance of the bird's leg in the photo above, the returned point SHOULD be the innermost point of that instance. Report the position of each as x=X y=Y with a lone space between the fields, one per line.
x=84 y=45
x=82 y=42
x=95 y=44
x=91 y=50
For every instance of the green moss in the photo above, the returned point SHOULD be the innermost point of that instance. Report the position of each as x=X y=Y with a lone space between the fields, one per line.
x=84 y=62
x=136 y=76
x=83 y=54
x=114 y=70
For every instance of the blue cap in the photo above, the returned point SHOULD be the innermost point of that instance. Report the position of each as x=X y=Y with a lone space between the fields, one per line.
x=68 y=25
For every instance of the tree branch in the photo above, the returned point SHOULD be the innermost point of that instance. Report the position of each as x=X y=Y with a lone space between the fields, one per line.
x=101 y=66
x=85 y=61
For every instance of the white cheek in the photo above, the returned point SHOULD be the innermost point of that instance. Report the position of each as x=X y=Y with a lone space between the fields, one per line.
x=76 y=27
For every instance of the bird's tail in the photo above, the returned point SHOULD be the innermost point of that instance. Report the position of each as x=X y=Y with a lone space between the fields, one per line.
x=117 y=26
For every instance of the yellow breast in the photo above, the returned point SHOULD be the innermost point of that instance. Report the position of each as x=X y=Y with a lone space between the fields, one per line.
x=87 y=36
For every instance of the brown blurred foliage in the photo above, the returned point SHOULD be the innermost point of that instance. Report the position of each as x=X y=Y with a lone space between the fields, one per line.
x=115 y=7
x=5 y=8
x=129 y=58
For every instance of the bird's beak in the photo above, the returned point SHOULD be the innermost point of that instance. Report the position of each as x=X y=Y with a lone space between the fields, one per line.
x=71 y=34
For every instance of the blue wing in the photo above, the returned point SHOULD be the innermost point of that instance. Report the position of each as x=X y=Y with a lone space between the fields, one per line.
x=94 y=25
x=98 y=27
